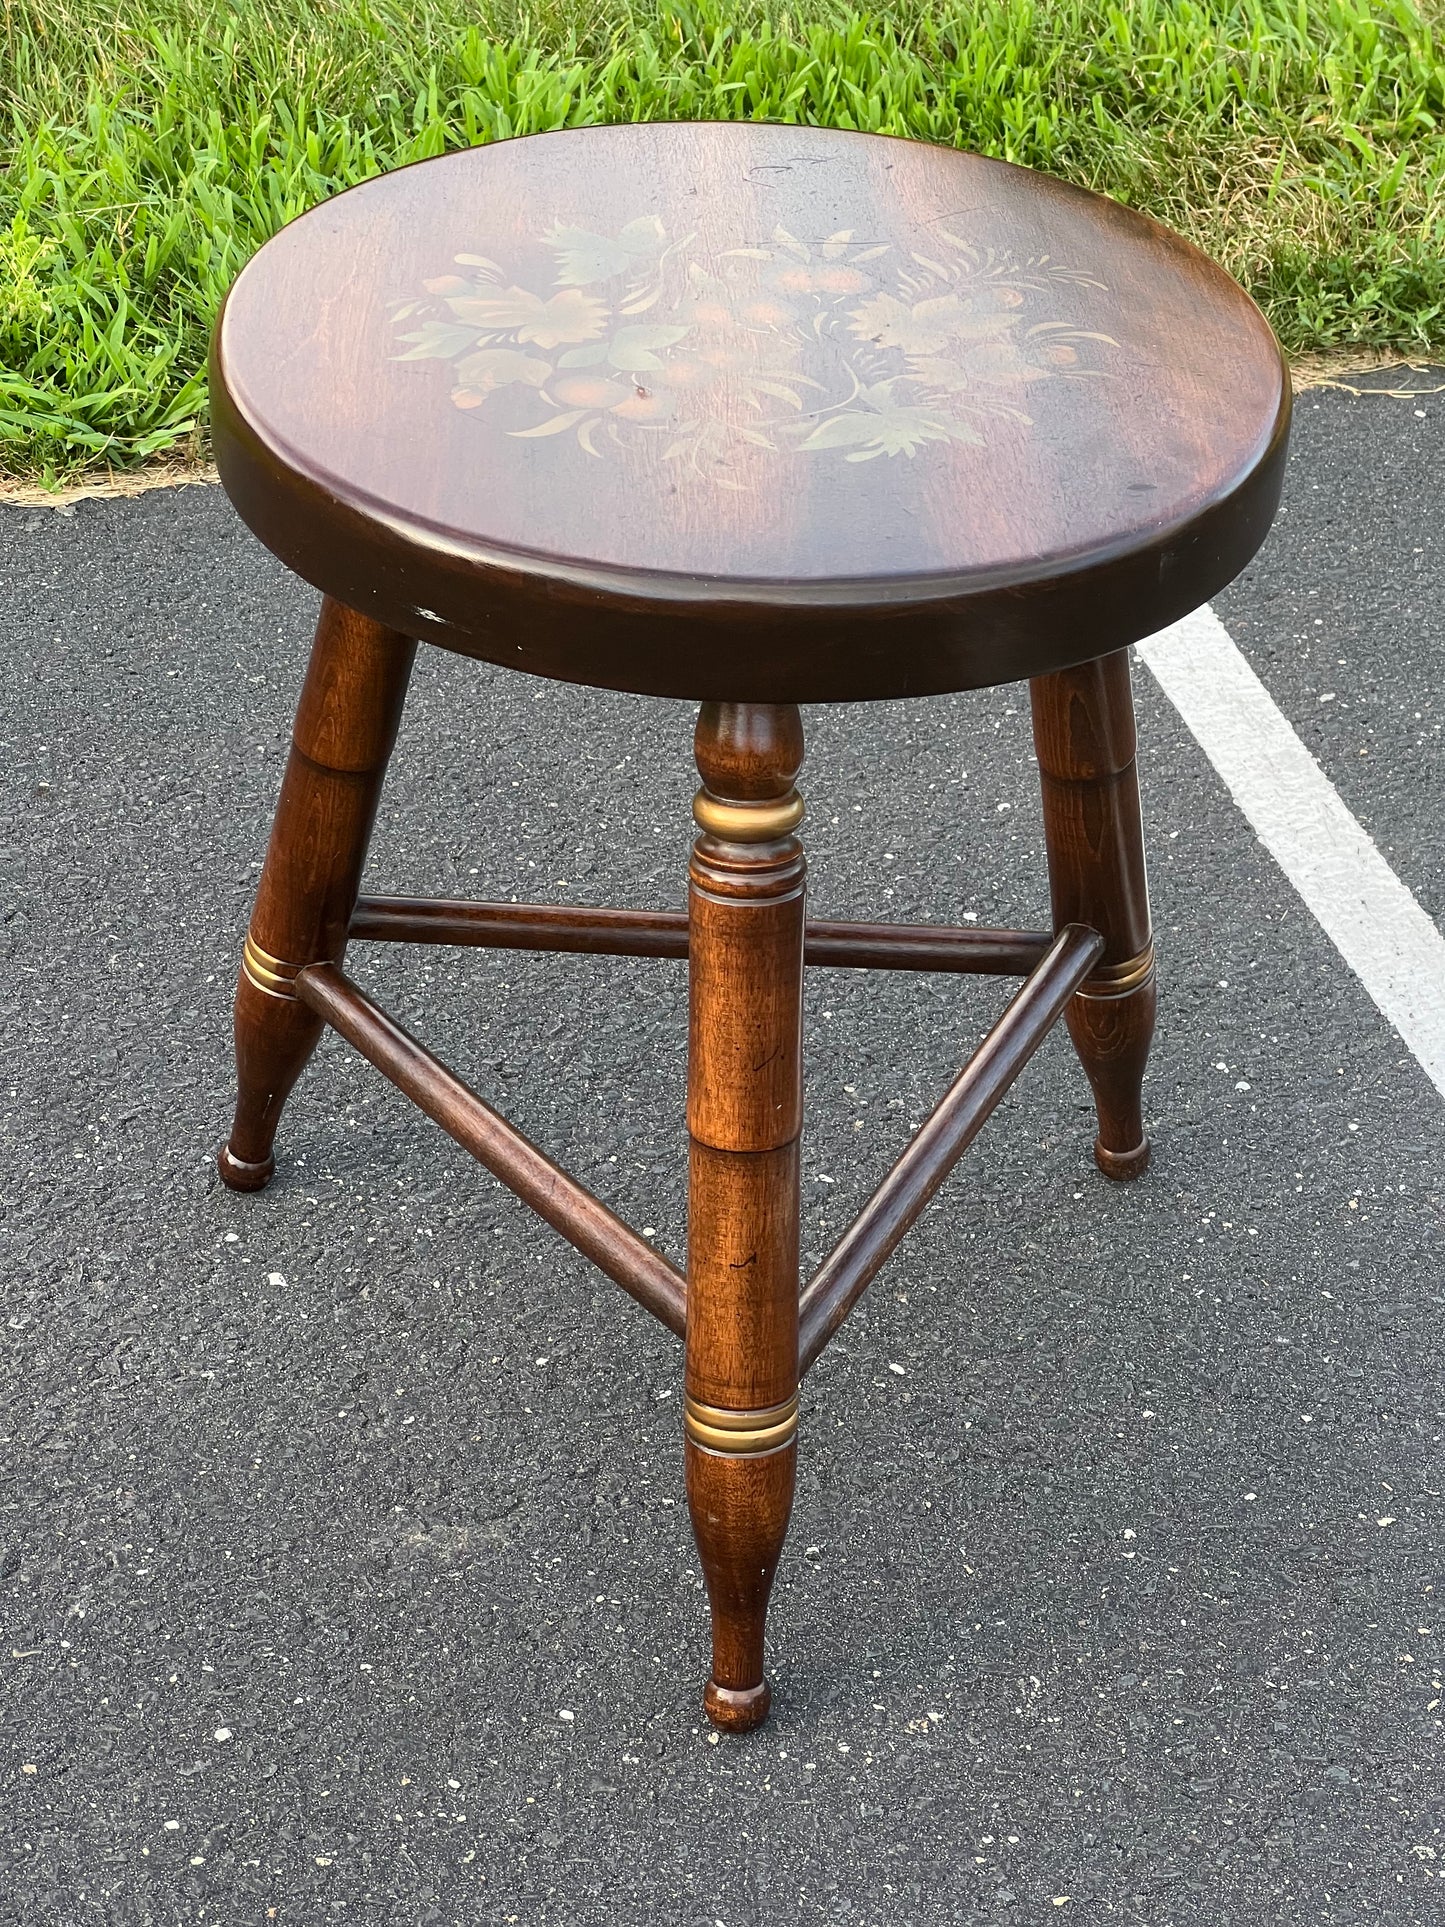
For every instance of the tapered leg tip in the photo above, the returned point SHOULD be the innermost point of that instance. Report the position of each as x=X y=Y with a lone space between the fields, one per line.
x=242 y=1175
x=1121 y=1166
x=737 y=1709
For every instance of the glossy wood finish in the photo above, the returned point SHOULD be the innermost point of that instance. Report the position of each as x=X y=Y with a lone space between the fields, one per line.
x=744 y=1117
x=1085 y=739
x=856 y=417
x=346 y=724
x=582 y=1220
x=755 y=415
x=663 y=933
x=942 y=1139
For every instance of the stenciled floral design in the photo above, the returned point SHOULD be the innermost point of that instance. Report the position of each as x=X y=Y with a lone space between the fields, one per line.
x=865 y=348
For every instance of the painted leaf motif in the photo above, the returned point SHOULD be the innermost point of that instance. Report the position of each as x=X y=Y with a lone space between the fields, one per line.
x=977 y=365
x=1063 y=331
x=644 y=236
x=924 y=328
x=438 y=341
x=938 y=371
x=894 y=429
x=554 y=425
x=902 y=430
x=587 y=357
x=781 y=392
x=843 y=431
x=879 y=394
x=790 y=244
x=584 y=257
x=985 y=327
x=569 y=316
x=934 y=348
x=631 y=348
x=1003 y=364
x=491 y=368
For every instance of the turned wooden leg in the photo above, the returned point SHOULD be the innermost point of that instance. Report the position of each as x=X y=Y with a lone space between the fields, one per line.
x=1084 y=734
x=745 y=1114
x=346 y=723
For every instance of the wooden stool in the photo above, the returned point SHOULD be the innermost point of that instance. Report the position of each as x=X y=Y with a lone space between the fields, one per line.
x=759 y=416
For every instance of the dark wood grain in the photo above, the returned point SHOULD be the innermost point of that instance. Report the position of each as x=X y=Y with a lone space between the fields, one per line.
x=745 y=1115
x=582 y=928
x=942 y=1139
x=557 y=1198
x=837 y=416
x=1084 y=736
x=346 y=723
x=663 y=933
x=755 y=415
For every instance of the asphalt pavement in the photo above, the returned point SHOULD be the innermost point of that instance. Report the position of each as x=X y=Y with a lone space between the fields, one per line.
x=345 y=1572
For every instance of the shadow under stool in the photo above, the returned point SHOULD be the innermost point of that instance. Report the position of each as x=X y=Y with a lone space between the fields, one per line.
x=756 y=416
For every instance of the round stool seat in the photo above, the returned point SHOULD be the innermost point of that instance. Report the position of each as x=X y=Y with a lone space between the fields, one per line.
x=754 y=413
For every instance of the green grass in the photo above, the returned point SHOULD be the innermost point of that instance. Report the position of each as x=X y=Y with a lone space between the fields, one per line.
x=150 y=146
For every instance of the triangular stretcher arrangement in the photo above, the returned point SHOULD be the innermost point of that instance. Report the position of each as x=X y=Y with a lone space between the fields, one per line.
x=1052 y=966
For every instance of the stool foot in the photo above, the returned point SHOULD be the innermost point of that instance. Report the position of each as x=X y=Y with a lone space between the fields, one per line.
x=244 y=1174
x=346 y=723
x=740 y=1509
x=1112 y=1033
x=736 y=1709
x=275 y=1037
x=1084 y=734
x=1124 y=1166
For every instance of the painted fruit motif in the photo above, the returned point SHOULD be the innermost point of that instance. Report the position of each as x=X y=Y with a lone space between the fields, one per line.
x=838 y=347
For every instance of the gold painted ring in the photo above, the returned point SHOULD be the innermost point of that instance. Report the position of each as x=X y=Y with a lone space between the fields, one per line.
x=740 y=1434
x=747 y=822
x=1117 y=980
x=272 y=974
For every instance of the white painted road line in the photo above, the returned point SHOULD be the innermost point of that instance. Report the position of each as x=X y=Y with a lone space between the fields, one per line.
x=1371 y=918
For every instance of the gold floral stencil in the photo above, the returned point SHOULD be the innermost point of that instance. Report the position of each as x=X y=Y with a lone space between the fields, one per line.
x=840 y=346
